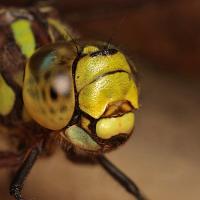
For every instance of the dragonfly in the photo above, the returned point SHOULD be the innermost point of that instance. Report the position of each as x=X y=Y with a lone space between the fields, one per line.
x=58 y=88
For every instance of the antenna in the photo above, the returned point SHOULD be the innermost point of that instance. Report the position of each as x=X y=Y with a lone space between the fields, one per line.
x=116 y=28
x=72 y=39
x=64 y=31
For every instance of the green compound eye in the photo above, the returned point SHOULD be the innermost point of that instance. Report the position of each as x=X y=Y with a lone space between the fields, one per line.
x=48 y=90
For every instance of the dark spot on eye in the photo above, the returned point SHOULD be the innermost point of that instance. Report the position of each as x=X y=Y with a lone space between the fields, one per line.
x=63 y=109
x=43 y=111
x=43 y=95
x=47 y=75
x=31 y=81
x=78 y=77
x=51 y=110
x=53 y=94
x=62 y=62
x=67 y=95
x=34 y=94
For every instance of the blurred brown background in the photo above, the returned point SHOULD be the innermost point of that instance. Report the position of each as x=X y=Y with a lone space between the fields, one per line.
x=162 y=37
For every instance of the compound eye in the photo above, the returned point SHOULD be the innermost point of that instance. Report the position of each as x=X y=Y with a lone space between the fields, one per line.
x=48 y=90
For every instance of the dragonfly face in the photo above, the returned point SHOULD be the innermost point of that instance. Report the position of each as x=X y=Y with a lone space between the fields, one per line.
x=89 y=96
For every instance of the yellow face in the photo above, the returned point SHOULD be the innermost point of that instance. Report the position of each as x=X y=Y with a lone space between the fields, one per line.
x=90 y=95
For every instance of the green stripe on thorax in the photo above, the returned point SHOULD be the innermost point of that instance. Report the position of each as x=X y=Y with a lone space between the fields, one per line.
x=24 y=36
x=7 y=97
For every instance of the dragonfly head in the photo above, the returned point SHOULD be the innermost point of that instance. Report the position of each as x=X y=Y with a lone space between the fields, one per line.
x=89 y=96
